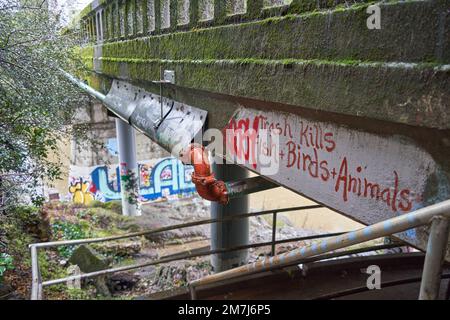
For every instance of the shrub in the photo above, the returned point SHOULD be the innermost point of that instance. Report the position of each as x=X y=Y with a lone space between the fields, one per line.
x=6 y=263
x=67 y=231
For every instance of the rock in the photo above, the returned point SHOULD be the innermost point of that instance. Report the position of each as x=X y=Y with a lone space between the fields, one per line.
x=74 y=270
x=120 y=248
x=102 y=286
x=88 y=259
x=122 y=281
x=179 y=273
x=5 y=291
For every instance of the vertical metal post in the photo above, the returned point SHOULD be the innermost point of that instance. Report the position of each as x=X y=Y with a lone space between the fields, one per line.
x=274 y=232
x=193 y=292
x=129 y=185
x=436 y=250
x=36 y=284
x=229 y=234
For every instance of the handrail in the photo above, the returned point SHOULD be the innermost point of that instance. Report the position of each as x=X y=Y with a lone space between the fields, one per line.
x=385 y=228
x=314 y=252
x=169 y=228
x=184 y=257
x=37 y=283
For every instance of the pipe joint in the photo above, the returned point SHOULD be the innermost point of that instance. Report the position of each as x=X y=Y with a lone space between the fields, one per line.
x=208 y=187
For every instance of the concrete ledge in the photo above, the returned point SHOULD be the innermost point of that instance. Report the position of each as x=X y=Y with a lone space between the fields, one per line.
x=325 y=60
x=413 y=94
x=411 y=32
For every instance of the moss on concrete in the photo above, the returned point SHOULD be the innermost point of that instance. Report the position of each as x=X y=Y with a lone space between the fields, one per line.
x=387 y=91
x=339 y=34
x=320 y=60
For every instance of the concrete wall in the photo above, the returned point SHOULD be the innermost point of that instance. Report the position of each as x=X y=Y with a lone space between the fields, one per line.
x=102 y=133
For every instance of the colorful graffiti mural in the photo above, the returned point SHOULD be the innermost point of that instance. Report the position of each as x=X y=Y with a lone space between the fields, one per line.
x=80 y=192
x=164 y=178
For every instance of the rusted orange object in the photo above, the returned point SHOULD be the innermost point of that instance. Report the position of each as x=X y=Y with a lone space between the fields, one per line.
x=206 y=184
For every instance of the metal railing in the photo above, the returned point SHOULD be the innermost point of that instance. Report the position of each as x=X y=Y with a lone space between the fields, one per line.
x=38 y=283
x=437 y=215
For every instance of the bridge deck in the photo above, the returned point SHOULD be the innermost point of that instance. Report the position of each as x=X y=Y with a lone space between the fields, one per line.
x=361 y=114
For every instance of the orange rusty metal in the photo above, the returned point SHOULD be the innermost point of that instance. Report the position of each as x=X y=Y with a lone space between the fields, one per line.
x=208 y=187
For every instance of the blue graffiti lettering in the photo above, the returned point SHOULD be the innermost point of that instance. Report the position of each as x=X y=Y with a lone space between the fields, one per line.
x=167 y=178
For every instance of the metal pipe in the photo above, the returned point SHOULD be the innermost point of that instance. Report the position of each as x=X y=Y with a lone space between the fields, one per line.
x=322 y=257
x=200 y=254
x=434 y=259
x=378 y=230
x=35 y=277
x=91 y=91
x=274 y=233
x=207 y=186
x=236 y=189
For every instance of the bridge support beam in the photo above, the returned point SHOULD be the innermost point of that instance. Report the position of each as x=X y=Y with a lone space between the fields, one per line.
x=129 y=187
x=436 y=250
x=231 y=233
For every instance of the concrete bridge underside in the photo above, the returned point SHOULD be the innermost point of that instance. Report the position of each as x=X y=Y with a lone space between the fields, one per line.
x=362 y=114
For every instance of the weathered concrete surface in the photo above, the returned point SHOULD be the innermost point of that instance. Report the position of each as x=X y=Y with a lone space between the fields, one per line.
x=367 y=176
x=328 y=61
x=410 y=32
x=409 y=94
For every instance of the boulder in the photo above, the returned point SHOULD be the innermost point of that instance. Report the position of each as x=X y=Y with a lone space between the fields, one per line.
x=88 y=260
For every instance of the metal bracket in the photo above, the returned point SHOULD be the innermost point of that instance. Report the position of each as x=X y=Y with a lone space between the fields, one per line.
x=167 y=77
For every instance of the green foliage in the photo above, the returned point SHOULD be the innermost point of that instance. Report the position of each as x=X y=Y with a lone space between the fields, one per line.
x=37 y=104
x=27 y=215
x=6 y=263
x=51 y=269
x=78 y=294
x=115 y=206
x=16 y=231
x=68 y=231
